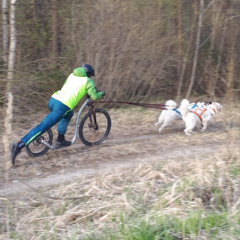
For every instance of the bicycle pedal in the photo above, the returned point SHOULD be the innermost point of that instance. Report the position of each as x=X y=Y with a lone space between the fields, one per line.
x=62 y=144
x=59 y=146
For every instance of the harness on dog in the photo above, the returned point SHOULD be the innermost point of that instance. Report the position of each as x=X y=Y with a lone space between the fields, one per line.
x=214 y=111
x=199 y=112
x=176 y=111
x=194 y=106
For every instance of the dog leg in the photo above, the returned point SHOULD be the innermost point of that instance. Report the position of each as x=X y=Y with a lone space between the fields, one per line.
x=166 y=122
x=161 y=128
x=186 y=132
x=201 y=126
x=156 y=124
x=204 y=126
x=191 y=131
x=160 y=120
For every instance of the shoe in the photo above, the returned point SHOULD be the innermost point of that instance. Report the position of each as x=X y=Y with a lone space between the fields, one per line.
x=15 y=151
x=63 y=143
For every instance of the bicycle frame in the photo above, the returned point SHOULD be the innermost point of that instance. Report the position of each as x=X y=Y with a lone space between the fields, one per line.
x=76 y=126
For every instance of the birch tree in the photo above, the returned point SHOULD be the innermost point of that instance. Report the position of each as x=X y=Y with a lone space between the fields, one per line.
x=5 y=31
x=12 y=47
x=10 y=74
x=8 y=115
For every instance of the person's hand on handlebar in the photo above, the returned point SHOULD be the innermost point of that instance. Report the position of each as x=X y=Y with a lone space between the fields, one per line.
x=103 y=93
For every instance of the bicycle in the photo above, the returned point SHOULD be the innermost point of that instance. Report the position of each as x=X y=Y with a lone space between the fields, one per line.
x=93 y=130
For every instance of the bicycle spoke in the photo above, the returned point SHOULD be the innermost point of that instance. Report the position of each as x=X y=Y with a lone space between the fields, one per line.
x=92 y=135
x=89 y=133
x=36 y=148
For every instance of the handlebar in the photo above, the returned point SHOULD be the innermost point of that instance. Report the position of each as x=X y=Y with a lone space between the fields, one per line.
x=103 y=95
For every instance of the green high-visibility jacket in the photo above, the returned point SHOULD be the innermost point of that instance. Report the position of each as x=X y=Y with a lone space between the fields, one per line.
x=75 y=87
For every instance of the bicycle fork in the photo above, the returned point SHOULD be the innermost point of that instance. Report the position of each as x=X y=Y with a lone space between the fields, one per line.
x=92 y=114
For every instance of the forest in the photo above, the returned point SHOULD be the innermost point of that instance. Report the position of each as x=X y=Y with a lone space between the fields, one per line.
x=141 y=50
x=140 y=183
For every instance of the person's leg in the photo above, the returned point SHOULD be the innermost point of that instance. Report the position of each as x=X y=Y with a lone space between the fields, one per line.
x=62 y=127
x=17 y=147
x=49 y=121
x=58 y=110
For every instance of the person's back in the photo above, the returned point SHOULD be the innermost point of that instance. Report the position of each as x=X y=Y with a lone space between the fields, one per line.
x=73 y=89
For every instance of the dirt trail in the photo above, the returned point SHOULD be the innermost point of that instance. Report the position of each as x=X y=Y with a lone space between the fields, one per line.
x=20 y=184
x=132 y=141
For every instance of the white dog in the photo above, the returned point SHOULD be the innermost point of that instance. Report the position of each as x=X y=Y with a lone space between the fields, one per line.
x=172 y=113
x=169 y=115
x=199 y=116
x=212 y=109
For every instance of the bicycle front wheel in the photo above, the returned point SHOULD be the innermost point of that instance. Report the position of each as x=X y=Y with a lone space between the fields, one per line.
x=36 y=148
x=93 y=134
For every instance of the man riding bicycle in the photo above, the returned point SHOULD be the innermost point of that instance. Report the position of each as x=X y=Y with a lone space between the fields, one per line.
x=61 y=105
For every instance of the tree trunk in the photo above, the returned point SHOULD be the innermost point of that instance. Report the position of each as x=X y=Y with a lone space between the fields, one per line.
x=230 y=65
x=5 y=31
x=8 y=116
x=54 y=29
x=179 y=35
x=6 y=137
x=219 y=61
x=186 y=55
x=88 y=27
x=10 y=74
x=208 y=69
x=196 y=49
x=12 y=47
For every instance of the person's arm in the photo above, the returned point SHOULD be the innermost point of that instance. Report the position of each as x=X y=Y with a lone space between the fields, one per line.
x=91 y=90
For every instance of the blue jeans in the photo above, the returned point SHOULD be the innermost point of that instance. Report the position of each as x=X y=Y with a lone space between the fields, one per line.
x=59 y=113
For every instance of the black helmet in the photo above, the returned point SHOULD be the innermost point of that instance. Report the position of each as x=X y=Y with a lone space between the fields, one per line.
x=89 y=70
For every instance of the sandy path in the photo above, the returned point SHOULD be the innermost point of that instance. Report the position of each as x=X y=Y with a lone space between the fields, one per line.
x=132 y=141
x=18 y=184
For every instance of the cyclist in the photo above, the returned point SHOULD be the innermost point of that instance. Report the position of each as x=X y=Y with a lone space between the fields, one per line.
x=61 y=105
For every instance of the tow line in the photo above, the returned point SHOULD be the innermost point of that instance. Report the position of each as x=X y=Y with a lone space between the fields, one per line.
x=147 y=105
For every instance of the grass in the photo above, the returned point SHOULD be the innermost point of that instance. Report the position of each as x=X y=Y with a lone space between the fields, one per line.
x=175 y=198
x=189 y=199
x=195 y=225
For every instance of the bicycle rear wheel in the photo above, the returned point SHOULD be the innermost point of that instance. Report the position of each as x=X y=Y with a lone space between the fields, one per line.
x=36 y=148
x=89 y=133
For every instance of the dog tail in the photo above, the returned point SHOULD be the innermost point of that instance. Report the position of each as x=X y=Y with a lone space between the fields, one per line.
x=170 y=105
x=184 y=107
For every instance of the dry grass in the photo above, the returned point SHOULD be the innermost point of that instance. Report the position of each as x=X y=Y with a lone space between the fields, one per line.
x=131 y=135
x=175 y=189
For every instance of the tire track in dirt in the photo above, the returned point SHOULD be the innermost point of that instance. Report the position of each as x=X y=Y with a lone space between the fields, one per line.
x=85 y=169
x=88 y=170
